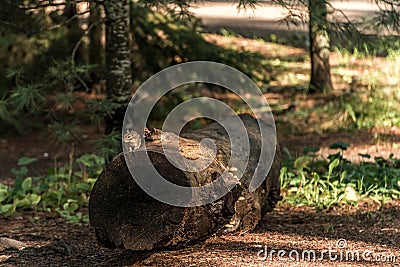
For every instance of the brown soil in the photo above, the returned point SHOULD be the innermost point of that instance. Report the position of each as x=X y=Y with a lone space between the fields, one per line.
x=53 y=242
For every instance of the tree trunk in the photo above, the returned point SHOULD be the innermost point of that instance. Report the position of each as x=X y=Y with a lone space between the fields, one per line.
x=123 y=215
x=319 y=47
x=118 y=63
x=96 y=52
x=75 y=32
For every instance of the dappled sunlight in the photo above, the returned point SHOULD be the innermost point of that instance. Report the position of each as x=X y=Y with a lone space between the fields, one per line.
x=69 y=190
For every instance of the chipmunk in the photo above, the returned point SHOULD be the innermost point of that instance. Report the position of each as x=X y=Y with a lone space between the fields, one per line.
x=132 y=140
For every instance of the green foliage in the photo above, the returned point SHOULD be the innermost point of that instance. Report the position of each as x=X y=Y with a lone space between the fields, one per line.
x=64 y=132
x=163 y=40
x=31 y=53
x=379 y=108
x=64 y=190
x=33 y=100
x=41 y=75
x=14 y=18
x=68 y=74
x=322 y=183
x=339 y=145
x=44 y=84
x=108 y=146
x=361 y=109
x=26 y=98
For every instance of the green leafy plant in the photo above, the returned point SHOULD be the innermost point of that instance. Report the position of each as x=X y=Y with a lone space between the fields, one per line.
x=334 y=180
x=64 y=190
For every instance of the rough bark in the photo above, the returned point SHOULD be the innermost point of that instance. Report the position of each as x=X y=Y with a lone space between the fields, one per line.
x=319 y=47
x=118 y=63
x=123 y=215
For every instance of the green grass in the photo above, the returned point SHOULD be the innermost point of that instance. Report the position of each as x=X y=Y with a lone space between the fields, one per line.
x=361 y=109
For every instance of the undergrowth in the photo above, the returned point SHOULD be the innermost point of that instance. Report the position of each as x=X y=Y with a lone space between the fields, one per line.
x=306 y=180
x=64 y=190
x=323 y=182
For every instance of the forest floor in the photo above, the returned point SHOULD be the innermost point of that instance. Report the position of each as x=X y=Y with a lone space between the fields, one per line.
x=369 y=230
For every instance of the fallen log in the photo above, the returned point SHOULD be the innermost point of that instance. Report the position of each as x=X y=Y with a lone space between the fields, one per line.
x=123 y=215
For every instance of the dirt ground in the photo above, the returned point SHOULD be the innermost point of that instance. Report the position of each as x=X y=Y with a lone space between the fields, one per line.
x=370 y=232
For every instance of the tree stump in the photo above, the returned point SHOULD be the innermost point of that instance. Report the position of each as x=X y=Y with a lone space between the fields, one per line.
x=125 y=216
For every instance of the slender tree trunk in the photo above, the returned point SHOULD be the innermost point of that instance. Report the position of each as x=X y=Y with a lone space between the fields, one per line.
x=319 y=47
x=96 y=52
x=75 y=32
x=118 y=64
